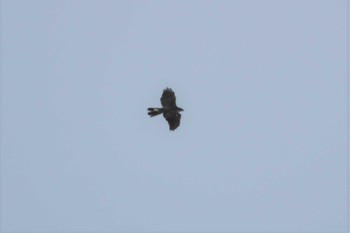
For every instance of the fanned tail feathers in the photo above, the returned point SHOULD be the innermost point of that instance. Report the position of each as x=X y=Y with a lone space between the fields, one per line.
x=154 y=111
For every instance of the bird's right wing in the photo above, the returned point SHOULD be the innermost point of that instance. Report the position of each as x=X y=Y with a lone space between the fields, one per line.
x=168 y=98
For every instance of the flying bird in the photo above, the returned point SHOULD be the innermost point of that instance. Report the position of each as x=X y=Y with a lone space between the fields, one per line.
x=170 y=110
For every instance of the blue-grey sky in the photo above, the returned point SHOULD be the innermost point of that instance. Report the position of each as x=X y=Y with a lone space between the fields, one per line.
x=262 y=144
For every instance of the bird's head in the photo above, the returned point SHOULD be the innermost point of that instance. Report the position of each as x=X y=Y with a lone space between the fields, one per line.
x=180 y=109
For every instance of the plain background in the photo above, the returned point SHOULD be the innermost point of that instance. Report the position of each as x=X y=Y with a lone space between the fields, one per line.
x=262 y=145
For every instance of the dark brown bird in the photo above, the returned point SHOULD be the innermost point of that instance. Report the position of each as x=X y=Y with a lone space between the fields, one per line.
x=170 y=110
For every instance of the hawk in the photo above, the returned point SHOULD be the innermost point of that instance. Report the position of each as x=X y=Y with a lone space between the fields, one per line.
x=170 y=110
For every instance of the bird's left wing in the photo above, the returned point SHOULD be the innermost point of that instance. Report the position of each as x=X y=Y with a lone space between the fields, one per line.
x=173 y=120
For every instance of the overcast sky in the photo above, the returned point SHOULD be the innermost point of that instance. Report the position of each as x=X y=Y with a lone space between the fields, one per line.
x=262 y=145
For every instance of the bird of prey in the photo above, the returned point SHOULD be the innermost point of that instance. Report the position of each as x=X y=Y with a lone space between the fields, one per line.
x=170 y=110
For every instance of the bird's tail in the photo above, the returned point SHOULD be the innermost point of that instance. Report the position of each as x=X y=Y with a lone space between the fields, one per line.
x=154 y=111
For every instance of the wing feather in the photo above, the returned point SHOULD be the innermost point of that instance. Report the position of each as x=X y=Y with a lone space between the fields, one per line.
x=173 y=120
x=168 y=99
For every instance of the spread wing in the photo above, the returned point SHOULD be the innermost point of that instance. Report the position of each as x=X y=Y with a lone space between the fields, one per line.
x=173 y=119
x=168 y=99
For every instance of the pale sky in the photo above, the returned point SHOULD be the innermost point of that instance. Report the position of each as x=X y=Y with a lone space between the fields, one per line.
x=262 y=145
